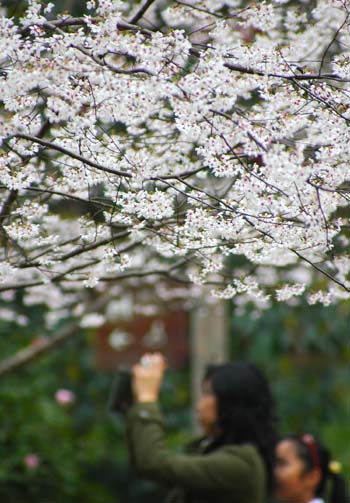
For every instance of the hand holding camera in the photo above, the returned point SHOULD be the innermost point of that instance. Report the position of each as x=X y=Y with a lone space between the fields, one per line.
x=147 y=376
x=140 y=384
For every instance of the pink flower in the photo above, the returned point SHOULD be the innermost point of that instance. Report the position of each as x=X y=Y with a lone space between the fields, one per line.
x=64 y=396
x=31 y=461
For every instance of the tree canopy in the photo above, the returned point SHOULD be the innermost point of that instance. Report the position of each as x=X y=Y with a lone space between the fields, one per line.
x=170 y=140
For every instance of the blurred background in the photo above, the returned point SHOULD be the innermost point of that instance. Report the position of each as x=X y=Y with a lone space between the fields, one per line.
x=60 y=444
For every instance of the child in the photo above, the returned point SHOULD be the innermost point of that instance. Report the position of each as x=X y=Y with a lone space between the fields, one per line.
x=304 y=472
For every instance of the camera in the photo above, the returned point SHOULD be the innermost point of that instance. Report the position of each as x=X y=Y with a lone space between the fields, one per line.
x=121 y=396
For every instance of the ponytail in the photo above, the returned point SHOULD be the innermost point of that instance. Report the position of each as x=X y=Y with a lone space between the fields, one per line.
x=338 y=488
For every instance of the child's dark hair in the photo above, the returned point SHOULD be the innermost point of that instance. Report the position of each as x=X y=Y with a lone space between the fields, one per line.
x=315 y=455
x=246 y=409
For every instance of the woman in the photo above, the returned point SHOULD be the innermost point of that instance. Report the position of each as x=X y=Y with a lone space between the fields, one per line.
x=304 y=472
x=233 y=462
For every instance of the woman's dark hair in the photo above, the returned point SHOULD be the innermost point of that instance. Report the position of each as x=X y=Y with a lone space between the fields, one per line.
x=246 y=409
x=313 y=454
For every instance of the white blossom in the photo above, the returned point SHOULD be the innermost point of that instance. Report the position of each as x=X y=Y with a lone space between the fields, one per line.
x=289 y=291
x=319 y=297
x=219 y=135
x=92 y=320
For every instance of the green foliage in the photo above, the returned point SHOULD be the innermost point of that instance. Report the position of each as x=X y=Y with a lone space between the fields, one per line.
x=305 y=351
x=81 y=447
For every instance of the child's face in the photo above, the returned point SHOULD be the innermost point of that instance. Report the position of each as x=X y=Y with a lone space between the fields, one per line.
x=293 y=483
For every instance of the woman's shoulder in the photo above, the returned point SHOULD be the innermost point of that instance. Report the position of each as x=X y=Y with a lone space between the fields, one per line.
x=247 y=453
x=244 y=449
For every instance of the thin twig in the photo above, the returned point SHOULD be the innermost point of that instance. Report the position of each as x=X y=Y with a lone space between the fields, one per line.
x=69 y=153
x=332 y=42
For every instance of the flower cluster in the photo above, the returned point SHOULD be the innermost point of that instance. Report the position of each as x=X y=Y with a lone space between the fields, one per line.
x=129 y=150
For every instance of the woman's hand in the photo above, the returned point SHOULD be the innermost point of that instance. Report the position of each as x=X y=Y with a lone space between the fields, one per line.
x=147 y=377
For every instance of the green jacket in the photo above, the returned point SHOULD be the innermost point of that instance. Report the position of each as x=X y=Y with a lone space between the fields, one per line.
x=230 y=474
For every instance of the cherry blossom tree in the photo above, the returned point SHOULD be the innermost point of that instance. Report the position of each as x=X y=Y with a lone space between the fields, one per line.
x=169 y=140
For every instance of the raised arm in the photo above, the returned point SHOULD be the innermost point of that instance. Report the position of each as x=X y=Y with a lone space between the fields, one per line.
x=232 y=469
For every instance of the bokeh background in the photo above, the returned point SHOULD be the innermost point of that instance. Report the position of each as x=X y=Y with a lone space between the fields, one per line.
x=73 y=449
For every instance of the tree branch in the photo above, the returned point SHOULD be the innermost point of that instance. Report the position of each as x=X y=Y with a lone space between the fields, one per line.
x=141 y=12
x=69 y=153
x=6 y=209
x=322 y=271
x=332 y=42
x=313 y=76
x=27 y=355
x=194 y=7
x=45 y=343
x=82 y=21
